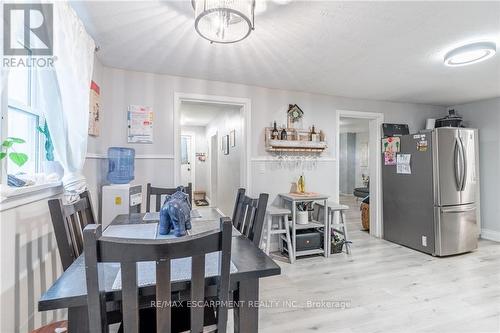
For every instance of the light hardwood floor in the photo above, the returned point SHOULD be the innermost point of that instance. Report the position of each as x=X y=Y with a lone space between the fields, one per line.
x=389 y=288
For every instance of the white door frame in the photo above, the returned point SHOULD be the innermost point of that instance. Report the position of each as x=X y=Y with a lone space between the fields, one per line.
x=192 y=135
x=246 y=112
x=375 y=137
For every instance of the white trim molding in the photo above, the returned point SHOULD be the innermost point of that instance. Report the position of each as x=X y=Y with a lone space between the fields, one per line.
x=491 y=235
x=375 y=128
x=143 y=156
x=246 y=112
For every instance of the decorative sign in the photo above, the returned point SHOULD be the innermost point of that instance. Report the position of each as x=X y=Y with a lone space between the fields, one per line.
x=391 y=144
x=389 y=158
x=95 y=109
x=140 y=124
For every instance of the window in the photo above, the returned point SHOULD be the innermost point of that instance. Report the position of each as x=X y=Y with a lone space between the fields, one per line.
x=23 y=120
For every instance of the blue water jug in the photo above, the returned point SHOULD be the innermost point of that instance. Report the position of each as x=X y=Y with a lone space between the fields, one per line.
x=120 y=165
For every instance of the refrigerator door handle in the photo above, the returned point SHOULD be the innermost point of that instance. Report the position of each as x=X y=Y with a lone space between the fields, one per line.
x=458 y=165
x=458 y=210
x=464 y=165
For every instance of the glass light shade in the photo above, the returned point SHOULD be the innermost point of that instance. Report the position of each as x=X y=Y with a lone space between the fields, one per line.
x=470 y=54
x=224 y=21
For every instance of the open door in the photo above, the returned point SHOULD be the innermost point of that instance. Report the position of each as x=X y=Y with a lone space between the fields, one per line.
x=187 y=162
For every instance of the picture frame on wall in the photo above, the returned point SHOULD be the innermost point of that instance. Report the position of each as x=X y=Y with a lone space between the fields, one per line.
x=232 y=138
x=225 y=144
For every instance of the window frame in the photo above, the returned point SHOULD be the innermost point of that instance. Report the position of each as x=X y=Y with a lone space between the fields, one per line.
x=31 y=109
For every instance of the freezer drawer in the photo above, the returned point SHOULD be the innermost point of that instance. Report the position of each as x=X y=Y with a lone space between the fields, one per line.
x=456 y=229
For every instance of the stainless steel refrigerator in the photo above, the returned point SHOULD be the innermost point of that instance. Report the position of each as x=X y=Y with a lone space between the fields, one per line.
x=433 y=207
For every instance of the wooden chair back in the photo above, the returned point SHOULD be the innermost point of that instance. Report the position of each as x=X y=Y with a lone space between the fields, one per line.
x=159 y=191
x=128 y=252
x=249 y=215
x=68 y=222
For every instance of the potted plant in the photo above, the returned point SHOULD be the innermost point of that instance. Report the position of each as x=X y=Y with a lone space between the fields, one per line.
x=303 y=209
x=49 y=165
x=337 y=243
x=7 y=149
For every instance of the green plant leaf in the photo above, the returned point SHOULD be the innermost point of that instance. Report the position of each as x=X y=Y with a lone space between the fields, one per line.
x=18 y=158
x=2 y=155
x=15 y=140
x=7 y=143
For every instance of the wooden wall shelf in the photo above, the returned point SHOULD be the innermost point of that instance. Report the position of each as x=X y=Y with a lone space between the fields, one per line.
x=293 y=145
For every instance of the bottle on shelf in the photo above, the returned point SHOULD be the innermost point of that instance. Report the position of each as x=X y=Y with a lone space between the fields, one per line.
x=314 y=135
x=283 y=133
x=275 y=135
x=301 y=184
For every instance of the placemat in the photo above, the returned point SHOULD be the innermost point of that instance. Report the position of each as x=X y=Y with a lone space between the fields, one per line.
x=155 y=216
x=140 y=231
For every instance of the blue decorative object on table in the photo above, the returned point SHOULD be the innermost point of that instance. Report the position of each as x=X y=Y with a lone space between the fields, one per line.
x=176 y=214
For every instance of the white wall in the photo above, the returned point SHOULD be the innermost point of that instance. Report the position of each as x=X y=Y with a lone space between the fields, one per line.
x=229 y=167
x=485 y=116
x=30 y=263
x=201 y=146
x=119 y=88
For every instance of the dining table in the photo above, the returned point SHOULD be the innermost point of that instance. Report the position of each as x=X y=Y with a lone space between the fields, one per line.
x=248 y=265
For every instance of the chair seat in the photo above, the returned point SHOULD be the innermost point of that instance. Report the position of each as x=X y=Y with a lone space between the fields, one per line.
x=334 y=206
x=56 y=327
x=276 y=211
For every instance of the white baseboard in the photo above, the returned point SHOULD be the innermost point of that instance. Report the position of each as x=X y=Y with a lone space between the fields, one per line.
x=491 y=235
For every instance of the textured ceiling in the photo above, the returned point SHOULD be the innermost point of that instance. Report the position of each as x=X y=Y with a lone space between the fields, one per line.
x=374 y=50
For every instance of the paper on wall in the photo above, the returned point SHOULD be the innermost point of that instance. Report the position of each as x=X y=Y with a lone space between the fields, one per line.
x=403 y=164
x=95 y=109
x=140 y=124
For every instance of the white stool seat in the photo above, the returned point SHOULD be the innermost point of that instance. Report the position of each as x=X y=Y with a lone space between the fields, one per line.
x=274 y=211
x=334 y=206
x=283 y=228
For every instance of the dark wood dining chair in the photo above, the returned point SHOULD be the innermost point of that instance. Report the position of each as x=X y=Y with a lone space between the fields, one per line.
x=128 y=252
x=68 y=222
x=249 y=215
x=159 y=191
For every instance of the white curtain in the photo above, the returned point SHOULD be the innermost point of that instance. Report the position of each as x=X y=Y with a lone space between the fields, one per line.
x=4 y=75
x=65 y=93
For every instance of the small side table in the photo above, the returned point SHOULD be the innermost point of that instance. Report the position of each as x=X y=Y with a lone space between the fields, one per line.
x=293 y=199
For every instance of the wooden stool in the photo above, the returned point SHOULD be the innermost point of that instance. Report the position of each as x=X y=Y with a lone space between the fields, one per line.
x=55 y=327
x=283 y=229
x=341 y=225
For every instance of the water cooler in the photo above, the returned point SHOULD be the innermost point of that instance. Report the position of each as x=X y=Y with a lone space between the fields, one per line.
x=120 y=197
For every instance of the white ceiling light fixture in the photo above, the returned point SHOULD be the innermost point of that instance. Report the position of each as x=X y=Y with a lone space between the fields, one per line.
x=470 y=54
x=224 y=21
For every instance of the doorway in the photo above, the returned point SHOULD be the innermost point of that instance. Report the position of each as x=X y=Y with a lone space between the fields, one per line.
x=211 y=148
x=188 y=165
x=359 y=168
x=213 y=169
